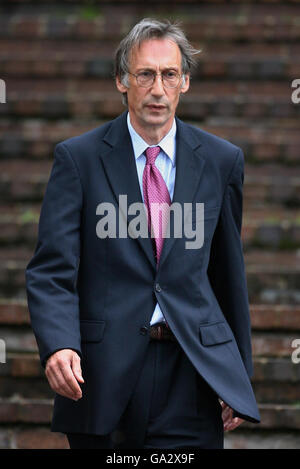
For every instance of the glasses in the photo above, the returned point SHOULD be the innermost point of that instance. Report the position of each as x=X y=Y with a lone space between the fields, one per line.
x=146 y=78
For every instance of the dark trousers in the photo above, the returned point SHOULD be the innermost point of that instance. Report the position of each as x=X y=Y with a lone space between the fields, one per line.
x=171 y=407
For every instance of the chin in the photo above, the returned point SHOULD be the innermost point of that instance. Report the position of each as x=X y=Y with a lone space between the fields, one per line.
x=156 y=120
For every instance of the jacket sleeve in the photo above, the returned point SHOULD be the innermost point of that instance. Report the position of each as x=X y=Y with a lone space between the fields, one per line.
x=226 y=268
x=51 y=275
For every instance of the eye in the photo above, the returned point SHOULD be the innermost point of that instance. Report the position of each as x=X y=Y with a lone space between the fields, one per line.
x=170 y=74
x=146 y=74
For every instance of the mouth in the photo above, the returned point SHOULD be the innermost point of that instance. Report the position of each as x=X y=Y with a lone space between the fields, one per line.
x=156 y=107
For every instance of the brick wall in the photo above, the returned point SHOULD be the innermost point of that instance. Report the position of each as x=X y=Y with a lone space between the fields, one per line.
x=56 y=59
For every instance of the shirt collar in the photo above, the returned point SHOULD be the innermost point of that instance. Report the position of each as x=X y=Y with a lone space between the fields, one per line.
x=167 y=143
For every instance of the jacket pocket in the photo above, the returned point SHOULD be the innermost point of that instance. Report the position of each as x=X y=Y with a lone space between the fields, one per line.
x=214 y=333
x=91 y=331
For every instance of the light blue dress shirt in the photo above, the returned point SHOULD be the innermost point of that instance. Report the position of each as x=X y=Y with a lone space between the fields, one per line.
x=166 y=163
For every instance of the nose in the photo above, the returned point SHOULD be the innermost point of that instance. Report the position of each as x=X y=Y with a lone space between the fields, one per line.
x=157 y=88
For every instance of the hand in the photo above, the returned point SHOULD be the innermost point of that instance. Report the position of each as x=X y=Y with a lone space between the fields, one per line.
x=63 y=372
x=229 y=422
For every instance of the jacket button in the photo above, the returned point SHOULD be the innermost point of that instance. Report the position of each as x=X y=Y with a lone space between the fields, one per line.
x=158 y=287
x=144 y=330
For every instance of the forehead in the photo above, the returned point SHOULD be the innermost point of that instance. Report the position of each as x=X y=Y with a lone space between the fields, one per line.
x=155 y=53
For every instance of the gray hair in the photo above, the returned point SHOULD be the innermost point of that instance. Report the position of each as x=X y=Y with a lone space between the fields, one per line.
x=149 y=28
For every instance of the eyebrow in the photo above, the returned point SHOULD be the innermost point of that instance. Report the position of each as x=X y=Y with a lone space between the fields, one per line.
x=152 y=69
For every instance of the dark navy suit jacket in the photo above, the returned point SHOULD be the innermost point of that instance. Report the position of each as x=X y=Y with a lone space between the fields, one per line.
x=97 y=296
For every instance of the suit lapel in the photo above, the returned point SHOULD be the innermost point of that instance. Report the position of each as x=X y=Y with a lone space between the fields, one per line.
x=190 y=163
x=120 y=167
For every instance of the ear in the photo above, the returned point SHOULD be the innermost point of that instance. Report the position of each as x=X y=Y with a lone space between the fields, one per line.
x=122 y=88
x=186 y=83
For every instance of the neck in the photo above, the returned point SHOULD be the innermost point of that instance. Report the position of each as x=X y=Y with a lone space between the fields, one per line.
x=152 y=134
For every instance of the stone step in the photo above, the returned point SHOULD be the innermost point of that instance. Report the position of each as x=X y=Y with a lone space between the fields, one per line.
x=19 y=410
x=264 y=317
x=279 y=345
x=33 y=388
x=39 y=437
x=31 y=437
x=21 y=179
x=210 y=90
x=278 y=392
x=283 y=211
x=229 y=23
x=31 y=58
x=275 y=380
x=267 y=439
x=265 y=228
x=35 y=139
x=273 y=277
x=195 y=105
x=266 y=369
x=264 y=344
x=14 y=312
x=277 y=417
x=23 y=171
x=39 y=411
x=191 y=106
x=273 y=317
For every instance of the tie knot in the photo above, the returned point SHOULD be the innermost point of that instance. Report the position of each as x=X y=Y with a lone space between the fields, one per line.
x=151 y=154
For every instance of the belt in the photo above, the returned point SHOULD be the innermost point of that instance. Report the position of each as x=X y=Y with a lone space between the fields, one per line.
x=160 y=331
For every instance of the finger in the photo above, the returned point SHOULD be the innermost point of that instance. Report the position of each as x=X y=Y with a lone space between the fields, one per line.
x=231 y=426
x=70 y=380
x=54 y=382
x=228 y=418
x=76 y=368
x=226 y=414
x=235 y=423
x=223 y=405
x=51 y=379
x=55 y=386
x=62 y=385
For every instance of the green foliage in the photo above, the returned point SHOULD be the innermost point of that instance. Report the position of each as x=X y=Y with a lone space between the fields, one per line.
x=89 y=12
x=29 y=217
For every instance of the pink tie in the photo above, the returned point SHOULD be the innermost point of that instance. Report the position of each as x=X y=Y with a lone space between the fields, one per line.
x=155 y=191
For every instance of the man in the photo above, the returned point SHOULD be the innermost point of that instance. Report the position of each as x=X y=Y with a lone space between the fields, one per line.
x=145 y=341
